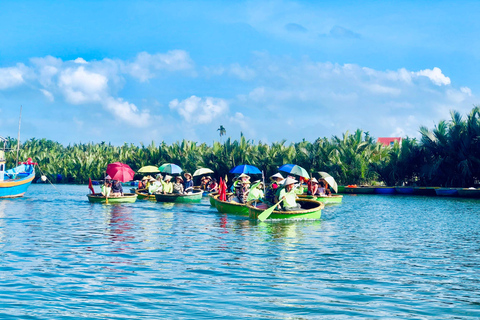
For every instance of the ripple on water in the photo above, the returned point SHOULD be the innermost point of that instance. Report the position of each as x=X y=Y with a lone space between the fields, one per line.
x=370 y=257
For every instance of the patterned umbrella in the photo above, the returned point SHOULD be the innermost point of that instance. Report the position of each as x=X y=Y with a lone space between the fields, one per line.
x=120 y=171
x=246 y=168
x=170 y=168
x=294 y=169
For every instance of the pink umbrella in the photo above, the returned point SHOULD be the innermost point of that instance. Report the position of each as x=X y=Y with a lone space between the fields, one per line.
x=120 y=171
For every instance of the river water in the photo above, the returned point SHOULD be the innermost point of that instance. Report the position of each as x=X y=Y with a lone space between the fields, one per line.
x=385 y=257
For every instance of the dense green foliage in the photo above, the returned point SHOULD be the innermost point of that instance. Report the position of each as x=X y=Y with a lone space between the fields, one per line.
x=447 y=155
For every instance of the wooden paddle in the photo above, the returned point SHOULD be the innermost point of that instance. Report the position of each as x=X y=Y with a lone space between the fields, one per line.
x=265 y=214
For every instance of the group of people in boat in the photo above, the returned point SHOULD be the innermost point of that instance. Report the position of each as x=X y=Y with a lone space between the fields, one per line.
x=280 y=190
x=164 y=185
x=112 y=188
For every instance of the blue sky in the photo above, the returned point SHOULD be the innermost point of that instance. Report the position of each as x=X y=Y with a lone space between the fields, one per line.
x=137 y=71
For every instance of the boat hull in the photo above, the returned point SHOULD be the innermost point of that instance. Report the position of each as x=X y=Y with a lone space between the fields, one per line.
x=230 y=207
x=325 y=199
x=194 y=197
x=446 y=192
x=360 y=190
x=142 y=194
x=425 y=191
x=99 y=198
x=469 y=193
x=313 y=211
x=404 y=190
x=385 y=190
x=15 y=188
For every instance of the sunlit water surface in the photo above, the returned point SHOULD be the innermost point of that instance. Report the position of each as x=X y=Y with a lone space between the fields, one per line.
x=370 y=257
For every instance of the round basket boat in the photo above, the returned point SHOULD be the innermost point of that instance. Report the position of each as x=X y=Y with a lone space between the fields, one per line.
x=142 y=194
x=100 y=198
x=211 y=197
x=312 y=210
x=230 y=207
x=335 y=198
x=196 y=196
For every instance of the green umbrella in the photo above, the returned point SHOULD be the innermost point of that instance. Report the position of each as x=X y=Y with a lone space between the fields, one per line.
x=202 y=171
x=148 y=169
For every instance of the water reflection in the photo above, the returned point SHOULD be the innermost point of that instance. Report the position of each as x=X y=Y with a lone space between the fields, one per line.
x=120 y=224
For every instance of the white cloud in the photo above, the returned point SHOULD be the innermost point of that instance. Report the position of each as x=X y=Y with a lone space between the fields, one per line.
x=127 y=112
x=48 y=95
x=243 y=73
x=82 y=86
x=80 y=61
x=12 y=76
x=435 y=75
x=145 y=65
x=197 y=110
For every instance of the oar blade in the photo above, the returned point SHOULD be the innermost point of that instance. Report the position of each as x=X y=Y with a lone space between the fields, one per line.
x=265 y=214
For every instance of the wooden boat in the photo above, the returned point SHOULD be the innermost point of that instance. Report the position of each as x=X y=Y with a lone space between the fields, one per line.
x=446 y=192
x=425 y=191
x=196 y=196
x=385 y=190
x=404 y=190
x=100 y=198
x=15 y=182
x=142 y=194
x=230 y=207
x=360 y=190
x=313 y=210
x=469 y=192
x=334 y=198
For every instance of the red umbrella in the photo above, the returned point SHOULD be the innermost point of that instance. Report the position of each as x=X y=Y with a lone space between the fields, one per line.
x=120 y=171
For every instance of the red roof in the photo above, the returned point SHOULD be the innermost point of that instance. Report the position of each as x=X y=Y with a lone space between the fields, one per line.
x=389 y=141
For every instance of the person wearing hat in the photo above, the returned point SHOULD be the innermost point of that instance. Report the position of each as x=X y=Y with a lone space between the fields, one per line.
x=313 y=187
x=167 y=186
x=242 y=190
x=272 y=188
x=288 y=195
x=256 y=191
x=213 y=186
x=154 y=186
x=142 y=184
x=188 y=184
x=107 y=186
x=178 y=185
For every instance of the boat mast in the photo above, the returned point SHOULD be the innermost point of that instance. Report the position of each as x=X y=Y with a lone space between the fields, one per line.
x=18 y=139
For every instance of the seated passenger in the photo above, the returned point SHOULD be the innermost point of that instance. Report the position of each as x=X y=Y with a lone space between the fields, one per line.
x=288 y=195
x=213 y=186
x=313 y=187
x=256 y=191
x=241 y=192
x=178 y=185
x=188 y=185
x=167 y=186
x=272 y=188
x=117 y=189
x=107 y=187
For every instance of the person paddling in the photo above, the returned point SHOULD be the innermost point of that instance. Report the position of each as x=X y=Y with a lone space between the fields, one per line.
x=288 y=195
x=272 y=188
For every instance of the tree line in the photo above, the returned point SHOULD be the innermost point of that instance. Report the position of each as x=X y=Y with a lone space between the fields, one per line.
x=446 y=155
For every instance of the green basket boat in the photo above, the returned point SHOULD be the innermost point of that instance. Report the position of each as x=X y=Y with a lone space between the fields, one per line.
x=336 y=198
x=230 y=207
x=196 y=196
x=142 y=194
x=211 y=197
x=313 y=211
x=100 y=198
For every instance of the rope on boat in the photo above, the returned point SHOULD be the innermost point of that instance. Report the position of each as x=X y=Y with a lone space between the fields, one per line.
x=44 y=175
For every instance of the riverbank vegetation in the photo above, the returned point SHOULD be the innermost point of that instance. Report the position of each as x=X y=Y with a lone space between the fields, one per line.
x=446 y=155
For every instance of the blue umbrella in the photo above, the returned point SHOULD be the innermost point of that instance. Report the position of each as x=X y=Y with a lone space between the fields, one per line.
x=170 y=168
x=246 y=168
x=294 y=169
